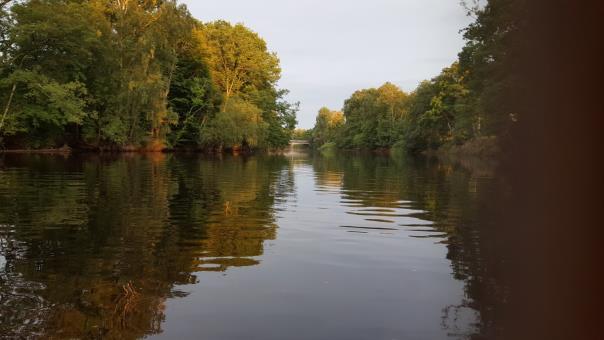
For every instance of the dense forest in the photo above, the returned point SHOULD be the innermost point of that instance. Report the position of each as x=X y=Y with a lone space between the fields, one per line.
x=469 y=103
x=120 y=74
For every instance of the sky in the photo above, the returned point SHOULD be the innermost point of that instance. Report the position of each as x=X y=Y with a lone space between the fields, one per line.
x=331 y=48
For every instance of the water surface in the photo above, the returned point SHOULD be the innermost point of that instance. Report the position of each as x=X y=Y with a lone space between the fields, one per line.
x=279 y=247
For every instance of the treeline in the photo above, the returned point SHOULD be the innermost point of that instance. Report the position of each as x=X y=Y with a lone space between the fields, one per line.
x=120 y=74
x=473 y=100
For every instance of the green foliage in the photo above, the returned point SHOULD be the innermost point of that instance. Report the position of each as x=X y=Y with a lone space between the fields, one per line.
x=327 y=126
x=371 y=117
x=6 y=45
x=473 y=98
x=239 y=124
x=438 y=113
x=302 y=134
x=113 y=74
x=328 y=149
x=280 y=116
x=490 y=60
x=148 y=39
x=242 y=67
x=193 y=96
x=238 y=58
x=42 y=106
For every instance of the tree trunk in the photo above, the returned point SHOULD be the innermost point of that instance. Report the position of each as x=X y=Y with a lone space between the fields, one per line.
x=8 y=103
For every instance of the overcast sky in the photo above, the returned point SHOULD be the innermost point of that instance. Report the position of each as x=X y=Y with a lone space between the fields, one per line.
x=331 y=48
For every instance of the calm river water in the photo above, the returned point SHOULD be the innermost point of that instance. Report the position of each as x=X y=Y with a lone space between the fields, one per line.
x=265 y=247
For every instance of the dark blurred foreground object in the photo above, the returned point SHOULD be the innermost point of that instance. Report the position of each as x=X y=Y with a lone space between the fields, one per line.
x=550 y=223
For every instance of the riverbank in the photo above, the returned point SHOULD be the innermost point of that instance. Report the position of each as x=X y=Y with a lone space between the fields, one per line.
x=482 y=147
x=62 y=150
x=480 y=156
x=65 y=150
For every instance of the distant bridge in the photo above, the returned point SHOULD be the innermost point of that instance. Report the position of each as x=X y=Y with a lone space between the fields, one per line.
x=294 y=142
x=299 y=142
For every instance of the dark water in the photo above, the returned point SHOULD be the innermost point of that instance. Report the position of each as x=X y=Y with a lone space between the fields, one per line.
x=189 y=247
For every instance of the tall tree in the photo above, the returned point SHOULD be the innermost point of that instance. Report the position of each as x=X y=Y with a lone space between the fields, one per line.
x=239 y=59
x=327 y=125
x=240 y=124
x=52 y=45
x=241 y=66
x=148 y=38
x=371 y=115
x=491 y=61
x=193 y=96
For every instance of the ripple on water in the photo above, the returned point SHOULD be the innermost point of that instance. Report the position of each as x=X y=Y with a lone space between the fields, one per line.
x=142 y=246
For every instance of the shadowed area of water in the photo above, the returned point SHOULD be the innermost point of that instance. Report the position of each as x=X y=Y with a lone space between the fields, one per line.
x=265 y=247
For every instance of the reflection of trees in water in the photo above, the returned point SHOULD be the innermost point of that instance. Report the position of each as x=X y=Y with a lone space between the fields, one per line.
x=94 y=247
x=452 y=198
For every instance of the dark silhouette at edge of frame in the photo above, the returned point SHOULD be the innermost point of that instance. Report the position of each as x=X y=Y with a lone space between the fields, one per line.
x=549 y=222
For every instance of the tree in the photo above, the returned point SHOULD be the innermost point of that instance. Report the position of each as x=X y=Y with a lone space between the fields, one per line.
x=302 y=134
x=240 y=124
x=371 y=117
x=241 y=66
x=5 y=25
x=438 y=113
x=148 y=38
x=193 y=97
x=43 y=105
x=123 y=53
x=414 y=134
x=49 y=58
x=327 y=125
x=239 y=59
x=490 y=61
x=141 y=74
x=279 y=114
x=392 y=106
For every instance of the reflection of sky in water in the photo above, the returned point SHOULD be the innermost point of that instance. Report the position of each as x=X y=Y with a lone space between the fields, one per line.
x=256 y=248
x=334 y=271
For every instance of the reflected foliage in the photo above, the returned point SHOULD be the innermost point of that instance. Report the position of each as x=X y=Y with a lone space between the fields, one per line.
x=93 y=248
x=451 y=200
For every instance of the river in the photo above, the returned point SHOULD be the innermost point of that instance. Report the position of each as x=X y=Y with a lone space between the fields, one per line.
x=178 y=246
